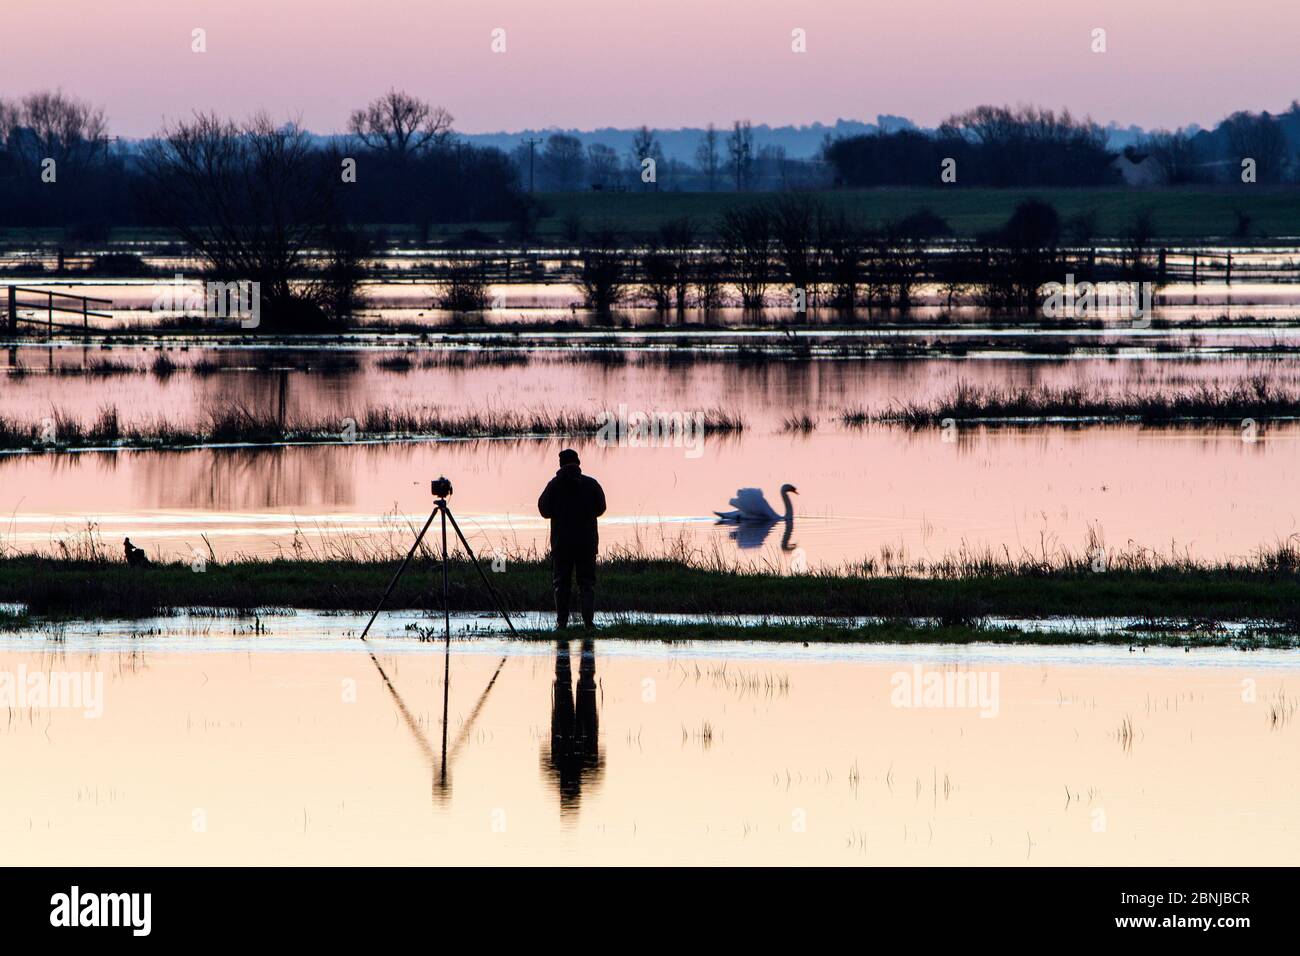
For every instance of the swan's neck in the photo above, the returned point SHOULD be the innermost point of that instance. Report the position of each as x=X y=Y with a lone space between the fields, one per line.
x=789 y=506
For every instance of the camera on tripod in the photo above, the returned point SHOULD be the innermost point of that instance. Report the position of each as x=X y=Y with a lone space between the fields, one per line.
x=441 y=488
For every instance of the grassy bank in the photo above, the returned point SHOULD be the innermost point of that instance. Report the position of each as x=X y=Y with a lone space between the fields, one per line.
x=1186 y=212
x=1268 y=589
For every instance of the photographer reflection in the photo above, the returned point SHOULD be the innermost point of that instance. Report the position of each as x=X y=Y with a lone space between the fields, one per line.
x=573 y=756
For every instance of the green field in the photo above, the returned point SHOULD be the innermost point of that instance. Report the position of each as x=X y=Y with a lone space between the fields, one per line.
x=1191 y=213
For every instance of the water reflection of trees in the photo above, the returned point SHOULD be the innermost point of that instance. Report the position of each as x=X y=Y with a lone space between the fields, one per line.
x=245 y=479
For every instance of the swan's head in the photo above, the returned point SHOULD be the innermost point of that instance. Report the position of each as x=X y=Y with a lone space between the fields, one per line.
x=789 y=489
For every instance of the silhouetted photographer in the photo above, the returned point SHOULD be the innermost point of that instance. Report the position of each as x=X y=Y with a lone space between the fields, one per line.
x=573 y=501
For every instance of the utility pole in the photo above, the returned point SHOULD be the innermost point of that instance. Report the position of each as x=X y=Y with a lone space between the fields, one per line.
x=532 y=149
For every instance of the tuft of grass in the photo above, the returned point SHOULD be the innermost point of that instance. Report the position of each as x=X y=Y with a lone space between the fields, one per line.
x=1257 y=398
x=802 y=424
x=395 y=363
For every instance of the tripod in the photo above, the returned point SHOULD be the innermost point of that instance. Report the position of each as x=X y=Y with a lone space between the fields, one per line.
x=442 y=491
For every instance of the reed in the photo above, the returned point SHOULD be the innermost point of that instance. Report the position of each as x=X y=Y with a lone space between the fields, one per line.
x=238 y=424
x=1257 y=398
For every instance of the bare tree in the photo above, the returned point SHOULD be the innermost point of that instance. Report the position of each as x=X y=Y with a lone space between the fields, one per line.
x=677 y=237
x=464 y=287
x=49 y=125
x=844 y=244
x=740 y=152
x=746 y=234
x=1258 y=137
x=645 y=146
x=706 y=156
x=1175 y=155
x=796 y=225
x=657 y=276
x=602 y=165
x=563 y=159
x=255 y=202
x=668 y=265
x=1029 y=145
x=1139 y=235
x=8 y=121
x=603 y=271
x=400 y=125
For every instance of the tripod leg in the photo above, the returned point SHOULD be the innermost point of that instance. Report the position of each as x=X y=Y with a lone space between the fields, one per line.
x=393 y=583
x=481 y=573
x=446 y=594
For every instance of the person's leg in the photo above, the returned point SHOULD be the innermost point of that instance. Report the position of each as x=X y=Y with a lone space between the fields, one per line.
x=562 y=574
x=586 y=568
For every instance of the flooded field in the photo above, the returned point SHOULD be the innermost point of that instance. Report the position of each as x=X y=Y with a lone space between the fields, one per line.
x=1265 y=291
x=1209 y=491
x=297 y=748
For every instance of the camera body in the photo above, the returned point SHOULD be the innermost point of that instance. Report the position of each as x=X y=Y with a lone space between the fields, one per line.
x=441 y=487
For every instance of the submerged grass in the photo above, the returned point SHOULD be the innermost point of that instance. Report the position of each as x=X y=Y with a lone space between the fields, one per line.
x=238 y=424
x=913 y=632
x=1257 y=398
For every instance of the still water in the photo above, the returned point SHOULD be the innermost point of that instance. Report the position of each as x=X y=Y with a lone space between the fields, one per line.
x=301 y=748
x=1207 y=491
x=1265 y=290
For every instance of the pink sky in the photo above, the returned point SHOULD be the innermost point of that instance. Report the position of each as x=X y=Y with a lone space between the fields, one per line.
x=583 y=63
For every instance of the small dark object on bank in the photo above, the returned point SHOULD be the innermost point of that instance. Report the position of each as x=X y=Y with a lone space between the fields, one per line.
x=135 y=557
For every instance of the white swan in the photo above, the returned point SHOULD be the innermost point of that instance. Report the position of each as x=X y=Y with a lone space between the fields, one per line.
x=750 y=505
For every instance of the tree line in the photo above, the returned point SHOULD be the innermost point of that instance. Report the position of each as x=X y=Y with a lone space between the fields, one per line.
x=1029 y=147
x=59 y=167
x=793 y=252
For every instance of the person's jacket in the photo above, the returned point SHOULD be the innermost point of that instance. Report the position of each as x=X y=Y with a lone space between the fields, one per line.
x=573 y=501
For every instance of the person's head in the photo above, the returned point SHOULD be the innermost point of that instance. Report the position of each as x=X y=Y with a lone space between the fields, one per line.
x=127 y=542
x=569 y=457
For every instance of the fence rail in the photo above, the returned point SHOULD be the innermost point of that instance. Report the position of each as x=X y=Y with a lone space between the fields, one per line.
x=49 y=307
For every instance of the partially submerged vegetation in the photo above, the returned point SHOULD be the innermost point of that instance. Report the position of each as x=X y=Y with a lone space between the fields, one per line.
x=1255 y=399
x=961 y=590
x=238 y=424
x=927 y=632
